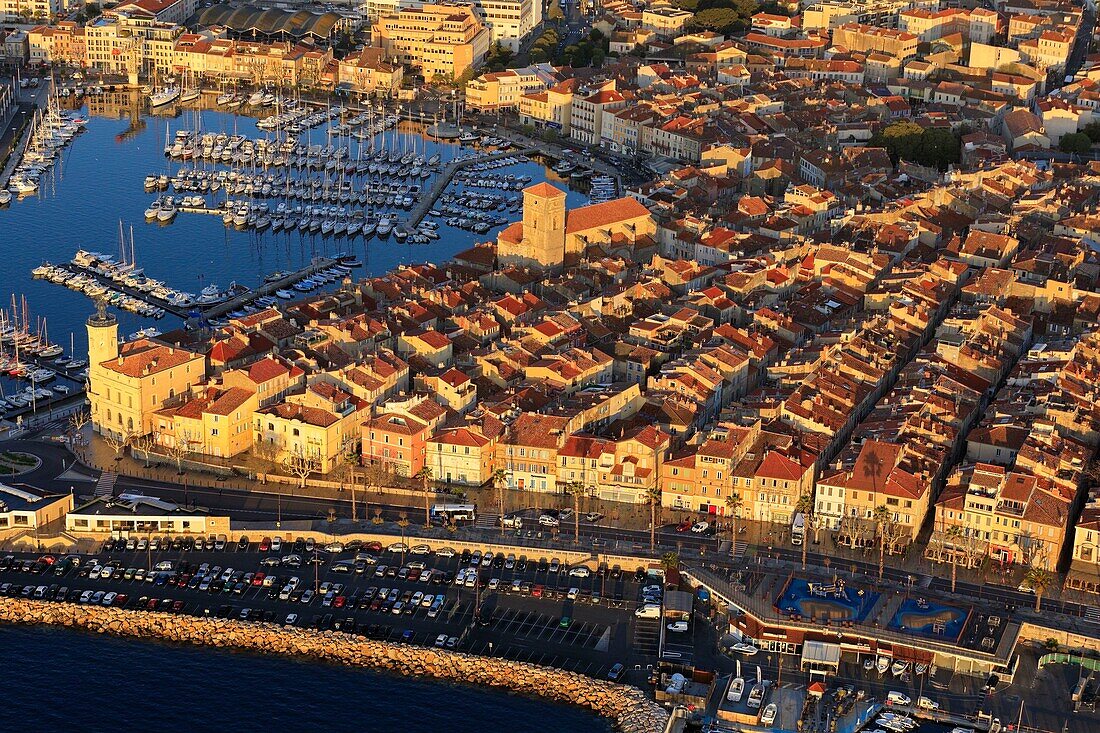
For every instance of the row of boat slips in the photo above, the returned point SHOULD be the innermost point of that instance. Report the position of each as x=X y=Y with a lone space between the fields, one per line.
x=53 y=130
x=242 y=152
x=279 y=186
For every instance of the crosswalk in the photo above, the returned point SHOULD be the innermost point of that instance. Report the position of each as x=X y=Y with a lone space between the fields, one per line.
x=487 y=520
x=1092 y=614
x=739 y=549
x=105 y=487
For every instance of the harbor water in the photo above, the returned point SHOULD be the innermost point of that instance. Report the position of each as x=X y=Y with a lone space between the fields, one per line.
x=99 y=181
x=96 y=683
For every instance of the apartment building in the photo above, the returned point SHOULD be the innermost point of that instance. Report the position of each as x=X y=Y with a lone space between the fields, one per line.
x=586 y=117
x=112 y=39
x=64 y=43
x=437 y=40
x=865 y=38
x=504 y=89
x=549 y=110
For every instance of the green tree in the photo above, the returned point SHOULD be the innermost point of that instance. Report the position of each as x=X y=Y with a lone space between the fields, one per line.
x=1039 y=580
x=555 y=14
x=670 y=561
x=719 y=20
x=1093 y=131
x=653 y=498
x=500 y=482
x=805 y=506
x=576 y=490
x=1076 y=143
x=905 y=140
x=882 y=517
x=424 y=476
x=733 y=509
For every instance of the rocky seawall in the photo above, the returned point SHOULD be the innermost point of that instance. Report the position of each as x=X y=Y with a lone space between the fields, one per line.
x=627 y=708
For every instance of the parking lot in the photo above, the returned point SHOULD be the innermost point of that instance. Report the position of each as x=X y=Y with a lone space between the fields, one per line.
x=529 y=609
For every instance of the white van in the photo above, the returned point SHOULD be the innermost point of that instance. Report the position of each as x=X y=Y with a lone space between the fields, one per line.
x=897 y=698
x=649 y=610
x=511 y=522
x=927 y=703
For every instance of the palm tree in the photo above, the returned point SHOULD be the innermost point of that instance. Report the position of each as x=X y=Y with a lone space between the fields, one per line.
x=670 y=561
x=805 y=506
x=733 y=509
x=424 y=475
x=952 y=535
x=653 y=498
x=576 y=490
x=882 y=517
x=500 y=482
x=1039 y=580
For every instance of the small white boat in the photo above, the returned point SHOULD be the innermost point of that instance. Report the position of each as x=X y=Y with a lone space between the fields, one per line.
x=737 y=689
x=898 y=668
x=882 y=664
x=164 y=96
x=284 y=294
x=756 y=696
x=768 y=716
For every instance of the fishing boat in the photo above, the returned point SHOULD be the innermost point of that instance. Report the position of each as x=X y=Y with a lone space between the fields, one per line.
x=756 y=696
x=284 y=294
x=898 y=668
x=768 y=716
x=882 y=664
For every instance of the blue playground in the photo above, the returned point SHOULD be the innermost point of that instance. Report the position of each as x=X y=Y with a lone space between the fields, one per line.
x=834 y=602
x=929 y=618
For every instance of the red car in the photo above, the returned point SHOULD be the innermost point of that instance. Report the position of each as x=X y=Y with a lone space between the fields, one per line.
x=265 y=544
x=258 y=579
x=177 y=607
x=683 y=526
x=151 y=605
x=338 y=602
x=373 y=547
x=121 y=599
x=536 y=592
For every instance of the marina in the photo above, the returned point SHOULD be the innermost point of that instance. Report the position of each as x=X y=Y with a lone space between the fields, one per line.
x=125 y=286
x=80 y=207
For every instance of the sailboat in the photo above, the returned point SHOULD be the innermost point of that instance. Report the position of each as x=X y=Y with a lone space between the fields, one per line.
x=190 y=92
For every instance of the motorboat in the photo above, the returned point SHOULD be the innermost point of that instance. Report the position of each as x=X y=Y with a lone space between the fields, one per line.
x=882 y=664
x=737 y=689
x=768 y=716
x=756 y=696
x=898 y=668
x=284 y=294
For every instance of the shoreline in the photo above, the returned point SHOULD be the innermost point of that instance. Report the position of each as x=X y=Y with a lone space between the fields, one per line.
x=626 y=708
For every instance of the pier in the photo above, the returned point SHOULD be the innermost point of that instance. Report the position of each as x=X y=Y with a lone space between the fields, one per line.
x=207 y=310
x=268 y=288
x=439 y=185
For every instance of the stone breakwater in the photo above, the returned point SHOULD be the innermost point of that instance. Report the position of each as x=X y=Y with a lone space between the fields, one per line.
x=627 y=708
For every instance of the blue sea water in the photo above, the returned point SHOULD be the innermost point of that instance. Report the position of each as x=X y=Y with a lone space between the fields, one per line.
x=65 y=680
x=100 y=182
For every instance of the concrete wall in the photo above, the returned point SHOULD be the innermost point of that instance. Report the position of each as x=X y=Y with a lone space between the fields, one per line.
x=626 y=707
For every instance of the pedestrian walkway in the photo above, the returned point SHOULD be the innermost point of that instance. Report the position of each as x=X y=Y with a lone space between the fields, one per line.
x=487 y=520
x=739 y=549
x=105 y=487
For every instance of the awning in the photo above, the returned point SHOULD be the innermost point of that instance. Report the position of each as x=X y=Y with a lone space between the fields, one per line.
x=821 y=654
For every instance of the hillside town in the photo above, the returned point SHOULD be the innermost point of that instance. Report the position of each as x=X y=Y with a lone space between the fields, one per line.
x=848 y=288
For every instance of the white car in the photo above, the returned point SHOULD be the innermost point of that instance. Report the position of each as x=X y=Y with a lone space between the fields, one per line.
x=700 y=527
x=494 y=583
x=441 y=641
x=291 y=619
x=678 y=627
x=747 y=649
x=420 y=550
x=548 y=520
x=445 y=552
x=398 y=547
x=334 y=547
x=580 y=572
x=897 y=698
x=276 y=545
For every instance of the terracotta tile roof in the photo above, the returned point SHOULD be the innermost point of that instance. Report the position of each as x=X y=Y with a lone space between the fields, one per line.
x=605 y=214
x=308 y=415
x=143 y=356
x=544 y=190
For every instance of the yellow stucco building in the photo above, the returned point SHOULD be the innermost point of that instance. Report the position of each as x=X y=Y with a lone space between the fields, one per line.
x=129 y=383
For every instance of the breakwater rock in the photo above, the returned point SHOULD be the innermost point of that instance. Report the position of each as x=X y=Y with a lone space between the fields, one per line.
x=627 y=708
